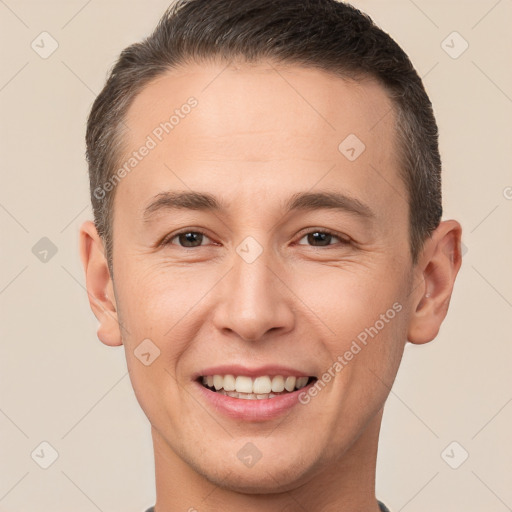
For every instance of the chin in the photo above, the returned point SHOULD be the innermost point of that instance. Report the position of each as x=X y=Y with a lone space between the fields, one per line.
x=264 y=477
x=262 y=481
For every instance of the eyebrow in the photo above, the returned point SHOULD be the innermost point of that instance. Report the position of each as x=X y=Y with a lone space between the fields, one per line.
x=188 y=200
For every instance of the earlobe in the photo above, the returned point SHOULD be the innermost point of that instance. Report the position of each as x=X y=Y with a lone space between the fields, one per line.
x=99 y=285
x=438 y=267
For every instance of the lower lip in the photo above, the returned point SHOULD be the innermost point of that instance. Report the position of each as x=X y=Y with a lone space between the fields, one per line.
x=252 y=410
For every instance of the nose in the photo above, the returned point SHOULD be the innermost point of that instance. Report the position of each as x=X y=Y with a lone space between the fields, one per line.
x=254 y=299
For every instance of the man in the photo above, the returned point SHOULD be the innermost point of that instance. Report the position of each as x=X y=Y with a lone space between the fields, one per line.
x=265 y=179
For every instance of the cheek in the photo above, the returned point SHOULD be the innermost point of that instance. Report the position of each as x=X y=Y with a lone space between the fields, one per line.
x=168 y=306
x=155 y=300
x=349 y=298
x=156 y=307
x=363 y=317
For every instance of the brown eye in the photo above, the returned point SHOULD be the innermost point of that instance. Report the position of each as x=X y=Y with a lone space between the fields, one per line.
x=322 y=238
x=187 y=239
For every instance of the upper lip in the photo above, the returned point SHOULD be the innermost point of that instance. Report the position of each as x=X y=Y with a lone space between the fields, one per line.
x=236 y=369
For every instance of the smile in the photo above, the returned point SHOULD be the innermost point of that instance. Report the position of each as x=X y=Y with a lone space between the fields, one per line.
x=257 y=388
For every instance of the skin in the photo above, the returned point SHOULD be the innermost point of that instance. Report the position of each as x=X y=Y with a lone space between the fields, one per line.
x=260 y=133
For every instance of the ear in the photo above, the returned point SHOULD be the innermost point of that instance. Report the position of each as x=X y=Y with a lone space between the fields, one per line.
x=437 y=268
x=99 y=284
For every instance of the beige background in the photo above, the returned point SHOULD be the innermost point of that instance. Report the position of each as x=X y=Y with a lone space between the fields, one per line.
x=59 y=384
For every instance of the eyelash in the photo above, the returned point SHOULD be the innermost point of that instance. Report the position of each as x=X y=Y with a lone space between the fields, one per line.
x=343 y=240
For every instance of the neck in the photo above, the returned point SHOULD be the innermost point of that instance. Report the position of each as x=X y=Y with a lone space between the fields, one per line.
x=348 y=485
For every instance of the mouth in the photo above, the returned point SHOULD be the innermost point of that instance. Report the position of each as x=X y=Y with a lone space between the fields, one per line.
x=261 y=387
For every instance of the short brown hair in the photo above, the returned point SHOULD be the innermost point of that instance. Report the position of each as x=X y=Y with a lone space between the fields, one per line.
x=325 y=34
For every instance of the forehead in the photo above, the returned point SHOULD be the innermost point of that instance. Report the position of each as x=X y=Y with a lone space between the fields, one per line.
x=253 y=126
x=233 y=98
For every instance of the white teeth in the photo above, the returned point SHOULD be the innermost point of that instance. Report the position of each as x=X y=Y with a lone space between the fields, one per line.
x=229 y=383
x=278 y=383
x=218 y=382
x=301 y=382
x=261 y=386
x=243 y=384
x=289 y=383
x=247 y=396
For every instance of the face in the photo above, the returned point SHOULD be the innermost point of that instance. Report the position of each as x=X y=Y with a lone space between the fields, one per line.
x=269 y=277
